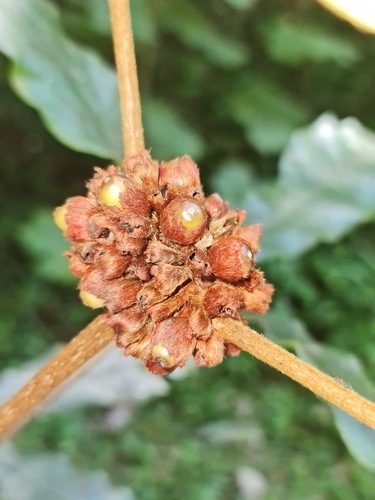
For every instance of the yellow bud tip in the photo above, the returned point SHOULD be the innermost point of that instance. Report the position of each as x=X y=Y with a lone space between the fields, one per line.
x=59 y=217
x=90 y=300
x=162 y=356
x=111 y=188
x=191 y=215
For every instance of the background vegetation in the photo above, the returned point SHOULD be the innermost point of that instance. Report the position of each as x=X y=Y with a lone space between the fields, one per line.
x=228 y=82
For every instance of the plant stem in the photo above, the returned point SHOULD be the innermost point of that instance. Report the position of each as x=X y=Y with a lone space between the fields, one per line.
x=27 y=402
x=303 y=373
x=127 y=77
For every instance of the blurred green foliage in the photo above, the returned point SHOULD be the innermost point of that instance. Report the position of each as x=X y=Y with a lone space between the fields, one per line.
x=226 y=81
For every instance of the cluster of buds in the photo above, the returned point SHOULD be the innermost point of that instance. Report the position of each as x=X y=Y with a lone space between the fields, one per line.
x=164 y=260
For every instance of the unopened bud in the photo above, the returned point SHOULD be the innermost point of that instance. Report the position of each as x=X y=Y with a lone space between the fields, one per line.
x=231 y=258
x=183 y=221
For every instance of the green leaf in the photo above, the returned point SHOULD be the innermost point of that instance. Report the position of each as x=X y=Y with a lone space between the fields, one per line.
x=167 y=133
x=143 y=22
x=241 y=4
x=292 y=43
x=325 y=188
x=234 y=177
x=288 y=331
x=74 y=91
x=52 y=476
x=45 y=243
x=197 y=32
x=267 y=113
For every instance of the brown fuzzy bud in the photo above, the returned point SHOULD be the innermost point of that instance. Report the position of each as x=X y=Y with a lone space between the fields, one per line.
x=76 y=266
x=93 y=282
x=143 y=170
x=199 y=320
x=252 y=235
x=121 y=192
x=209 y=352
x=128 y=245
x=231 y=258
x=222 y=300
x=111 y=264
x=169 y=277
x=232 y=350
x=157 y=252
x=171 y=344
x=183 y=221
x=136 y=226
x=79 y=210
x=127 y=323
x=198 y=263
x=121 y=295
x=215 y=206
x=180 y=177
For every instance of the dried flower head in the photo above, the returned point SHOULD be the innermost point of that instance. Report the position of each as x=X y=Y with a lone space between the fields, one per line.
x=164 y=260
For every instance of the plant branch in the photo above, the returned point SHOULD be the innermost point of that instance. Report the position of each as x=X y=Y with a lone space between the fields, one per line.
x=27 y=402
x=127 y=77
x=303 y=373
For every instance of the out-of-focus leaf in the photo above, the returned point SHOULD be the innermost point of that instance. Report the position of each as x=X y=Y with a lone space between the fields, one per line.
x=292 y=43
x=189 y=24
x=112 y=379
x=143 y=22
x=241 y=4
x=44 y=241
x=97 y=13
x=234 y=178
x=326 y=187
x=267 y=113
x=359 y=438
x=167 y=133
x=74 y=91
x=51 y=476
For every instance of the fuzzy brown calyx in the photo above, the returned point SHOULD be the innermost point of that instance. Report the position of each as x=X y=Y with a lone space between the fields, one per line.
x=164 y=260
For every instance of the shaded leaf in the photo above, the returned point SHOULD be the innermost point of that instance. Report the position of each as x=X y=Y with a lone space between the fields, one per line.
x=234 y=178
x=167 y=133
x=45 y=243
x=267 y=113
x=359 y=438
x=325 y=188
x=196 y=31
x=74 y=91
x=241 y=4
x=51 y=476
x=143 y=22
x=292 y=43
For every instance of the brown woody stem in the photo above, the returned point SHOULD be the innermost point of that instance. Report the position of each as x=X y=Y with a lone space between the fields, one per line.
x=127 y=77
x=303 y=373
x=27 y=402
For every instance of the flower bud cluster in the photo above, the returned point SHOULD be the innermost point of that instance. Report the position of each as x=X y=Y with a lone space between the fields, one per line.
x=163 y=260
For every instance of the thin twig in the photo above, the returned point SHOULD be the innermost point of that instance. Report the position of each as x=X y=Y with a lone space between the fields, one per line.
x=127 y=77
x=303 y=373
x=26 y=403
